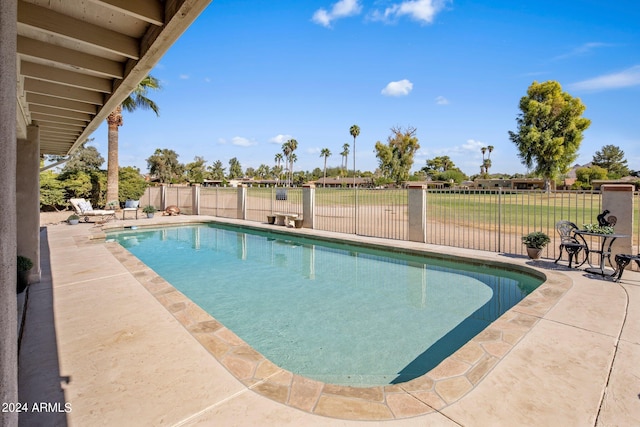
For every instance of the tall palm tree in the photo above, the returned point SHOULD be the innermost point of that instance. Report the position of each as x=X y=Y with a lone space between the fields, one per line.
x=292 y=158
x=345 y=156
x=278 y=160
x=137 y=99
x=325 y=152
x=286 y=151
x=292 y=145
x=354 y=131
x=490 y=149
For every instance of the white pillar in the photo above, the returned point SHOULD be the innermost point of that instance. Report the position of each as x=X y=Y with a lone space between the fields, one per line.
x=8 y=301
x=28 y=199
x=618 y=200
x=242 y=202
x=308 y=205
x=417 y=212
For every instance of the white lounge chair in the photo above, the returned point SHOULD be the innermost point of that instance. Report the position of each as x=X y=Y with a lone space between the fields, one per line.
x=84 y=209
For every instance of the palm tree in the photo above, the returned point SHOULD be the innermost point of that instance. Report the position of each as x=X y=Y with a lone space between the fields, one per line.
x=354 y=131
x=288 y=148
x=345 y=155
x=490 y=148
x=292 y=158
x=137 y=99
x=286 y=151
x=278 y=159
x=325 y=152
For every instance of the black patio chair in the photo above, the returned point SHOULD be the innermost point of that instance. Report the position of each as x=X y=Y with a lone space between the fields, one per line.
x=571 y=242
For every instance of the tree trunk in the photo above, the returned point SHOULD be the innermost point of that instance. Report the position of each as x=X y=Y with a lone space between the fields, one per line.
x=114 y=120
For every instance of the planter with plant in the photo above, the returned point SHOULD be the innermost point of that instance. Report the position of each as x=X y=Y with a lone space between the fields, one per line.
x=24 y=266
x=598 y=229
x=149 y=210
x=535 y=242
x=73 y=219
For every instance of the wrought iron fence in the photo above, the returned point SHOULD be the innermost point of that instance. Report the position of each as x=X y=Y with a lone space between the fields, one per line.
x=491 y=220
x=219 y=201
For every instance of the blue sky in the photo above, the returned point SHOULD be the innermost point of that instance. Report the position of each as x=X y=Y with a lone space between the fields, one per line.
x=249 y=74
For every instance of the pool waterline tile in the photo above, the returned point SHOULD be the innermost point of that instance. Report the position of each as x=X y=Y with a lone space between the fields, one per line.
x=419 y=396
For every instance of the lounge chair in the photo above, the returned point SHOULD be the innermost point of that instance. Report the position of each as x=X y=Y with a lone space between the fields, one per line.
x=85 y=210
x=571 y=242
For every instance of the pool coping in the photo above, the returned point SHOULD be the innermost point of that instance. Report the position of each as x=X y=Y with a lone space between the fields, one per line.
x=444 y=385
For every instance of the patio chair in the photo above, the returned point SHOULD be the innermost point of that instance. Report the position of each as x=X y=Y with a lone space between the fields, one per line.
x=85 y=210
x=571 y=242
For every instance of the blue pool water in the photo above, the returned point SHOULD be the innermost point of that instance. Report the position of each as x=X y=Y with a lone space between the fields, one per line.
x=332 y=312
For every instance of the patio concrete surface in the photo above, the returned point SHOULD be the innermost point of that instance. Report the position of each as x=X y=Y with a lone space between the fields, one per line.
x=96 y=340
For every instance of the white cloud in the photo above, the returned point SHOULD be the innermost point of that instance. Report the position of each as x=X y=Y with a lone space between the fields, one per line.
x=627 y=78
x=341 y=9
x=583 y=49
x=280 y=139
x=399 y=88
x=473 y=145
x=242 y=142
x=184 y=76
x=441 y=100
x=423 y=11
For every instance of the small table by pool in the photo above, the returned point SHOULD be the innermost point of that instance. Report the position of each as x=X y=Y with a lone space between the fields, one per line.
x=604 y=251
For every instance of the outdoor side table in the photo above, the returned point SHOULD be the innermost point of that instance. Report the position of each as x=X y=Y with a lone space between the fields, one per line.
x=604 y=251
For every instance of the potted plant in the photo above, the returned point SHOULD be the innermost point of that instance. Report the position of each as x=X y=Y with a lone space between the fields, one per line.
x=24 y=265
x=535 y=242
x=149 y=210
x=73 y=219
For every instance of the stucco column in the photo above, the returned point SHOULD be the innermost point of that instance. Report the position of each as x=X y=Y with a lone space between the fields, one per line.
x=417 y=213
x=618 y=200
x=195 y=199
x=242 y=202
x=308 y=205
x=8 y=301
x=28 y=199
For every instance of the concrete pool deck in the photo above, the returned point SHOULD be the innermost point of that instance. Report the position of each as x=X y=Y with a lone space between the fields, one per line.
x=98 y=340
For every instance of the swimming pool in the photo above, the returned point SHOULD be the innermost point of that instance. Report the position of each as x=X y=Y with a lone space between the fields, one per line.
x=329 y=311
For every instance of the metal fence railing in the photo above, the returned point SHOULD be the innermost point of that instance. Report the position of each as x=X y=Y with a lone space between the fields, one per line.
x=495 y=220
x=489 y=219
x=219 y=201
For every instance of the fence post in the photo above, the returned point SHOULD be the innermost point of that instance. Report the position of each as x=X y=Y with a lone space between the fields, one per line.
x=195 y=199
x=308 y=205
x=618 y=200
x=242 y=202
x=417 y=213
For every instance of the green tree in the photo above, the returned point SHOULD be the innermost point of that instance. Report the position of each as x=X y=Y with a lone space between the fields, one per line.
x=52 y=194
x=235 y=168
x=216 y=170
x=164 y=165
x=585 y=176
x=84 y=159
x=355 y=132
x=438 y=164
x=396 y=158
x=612 y=159
x=550 y=128
x=137 y=99
x=196 y=170
x=452 y=174
x=326 y=153
x=263 y=171
x=132 y=184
